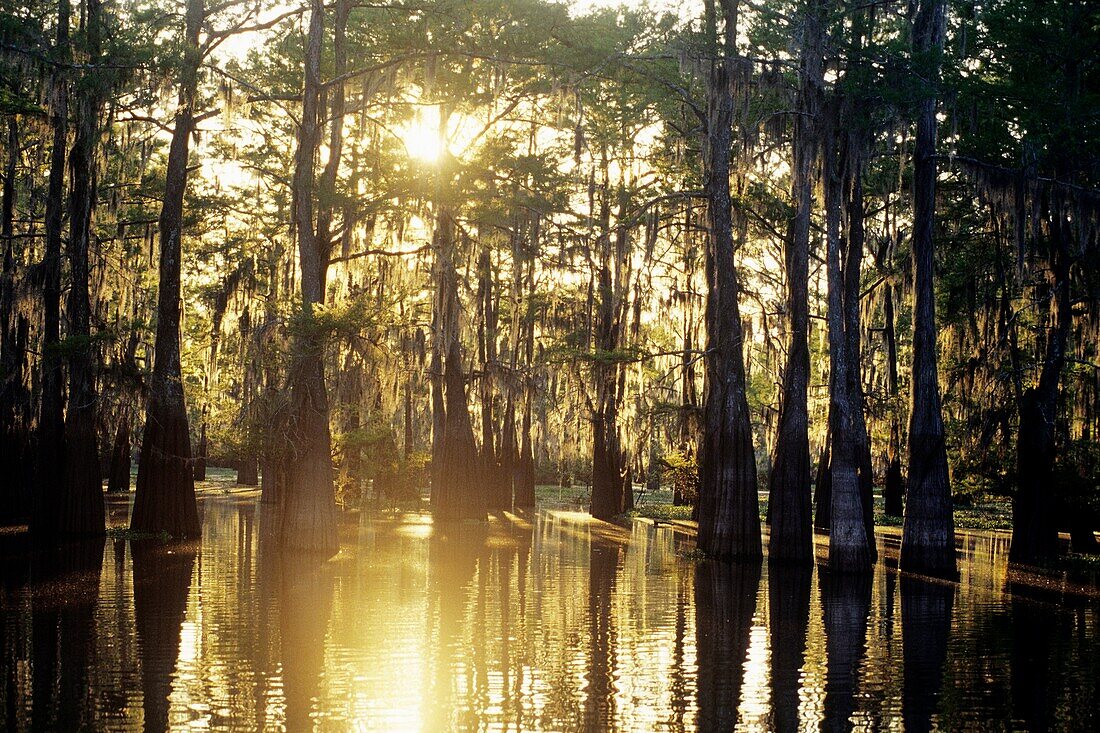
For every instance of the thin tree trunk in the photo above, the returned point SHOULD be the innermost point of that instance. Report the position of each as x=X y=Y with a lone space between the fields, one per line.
x=853 y=258
x=894 y=489
x=51 y=418
x=118 y=476
x=823 y=483
x=165 y=497
x=928 y=529
x=729 y=518
x=199 y=460
x=789 y=510
x=14 y=418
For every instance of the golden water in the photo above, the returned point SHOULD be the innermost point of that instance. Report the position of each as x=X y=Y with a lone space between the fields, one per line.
x=541 y=622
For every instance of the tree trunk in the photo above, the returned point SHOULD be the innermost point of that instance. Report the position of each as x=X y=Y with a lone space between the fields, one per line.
x=525 y=481
x=15 y=422
x=118 y=477
x=928 y=529
x=51 y=418
x=853 y=259
x=823 y=484
x=165 y=497
x=81 y=510
x=729 y=517
x=789 y=511
x=849 y=545
x=199 y=460
x=894 y=489
x=1034 y=529
x=248 y=471
x=458 y=492
x=307 y=503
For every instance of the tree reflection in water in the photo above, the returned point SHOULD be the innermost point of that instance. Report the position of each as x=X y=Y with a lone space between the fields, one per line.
x=305 y=605
x=925 y=630
x=162 y=581
x=788 y=619
x=725 y=601
x=546 y=621
x=846 y=602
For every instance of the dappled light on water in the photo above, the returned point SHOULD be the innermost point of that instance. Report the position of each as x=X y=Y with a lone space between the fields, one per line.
x=535 y=621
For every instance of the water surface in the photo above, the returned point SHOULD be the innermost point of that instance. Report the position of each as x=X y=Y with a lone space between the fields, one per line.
x=537 y=622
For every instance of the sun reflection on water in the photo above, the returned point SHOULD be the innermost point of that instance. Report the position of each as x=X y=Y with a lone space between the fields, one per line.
x=534 y=622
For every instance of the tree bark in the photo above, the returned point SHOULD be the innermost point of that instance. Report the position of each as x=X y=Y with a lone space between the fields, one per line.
x=928 y=529
x=849 y=545
x=307 y=504
x=15 y=417
x=165 y=497
x=458 y=492
x=853 y=259
x=81 y=510
x=51 y=418
x=1034 y=527
x=789 y=510
x=729 y=518
x=118 y=476
x=894 y=489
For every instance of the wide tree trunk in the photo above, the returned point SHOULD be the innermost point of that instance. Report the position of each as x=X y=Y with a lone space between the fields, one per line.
x=789 y=510
x=51 y=417
x=248 y=471
x=307 y=503
x=928 y=529
x=729 y=514
x=525 y=465
x=165 y=497
x=457 y=490
x=81 y=508
x=1034 y=526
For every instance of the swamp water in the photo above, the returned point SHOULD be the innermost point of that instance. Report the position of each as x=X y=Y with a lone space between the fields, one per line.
x=537 y=622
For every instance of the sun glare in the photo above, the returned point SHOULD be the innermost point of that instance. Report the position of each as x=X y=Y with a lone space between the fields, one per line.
x=420 y=136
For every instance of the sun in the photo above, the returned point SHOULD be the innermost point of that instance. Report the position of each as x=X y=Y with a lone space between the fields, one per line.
x=421 y=137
